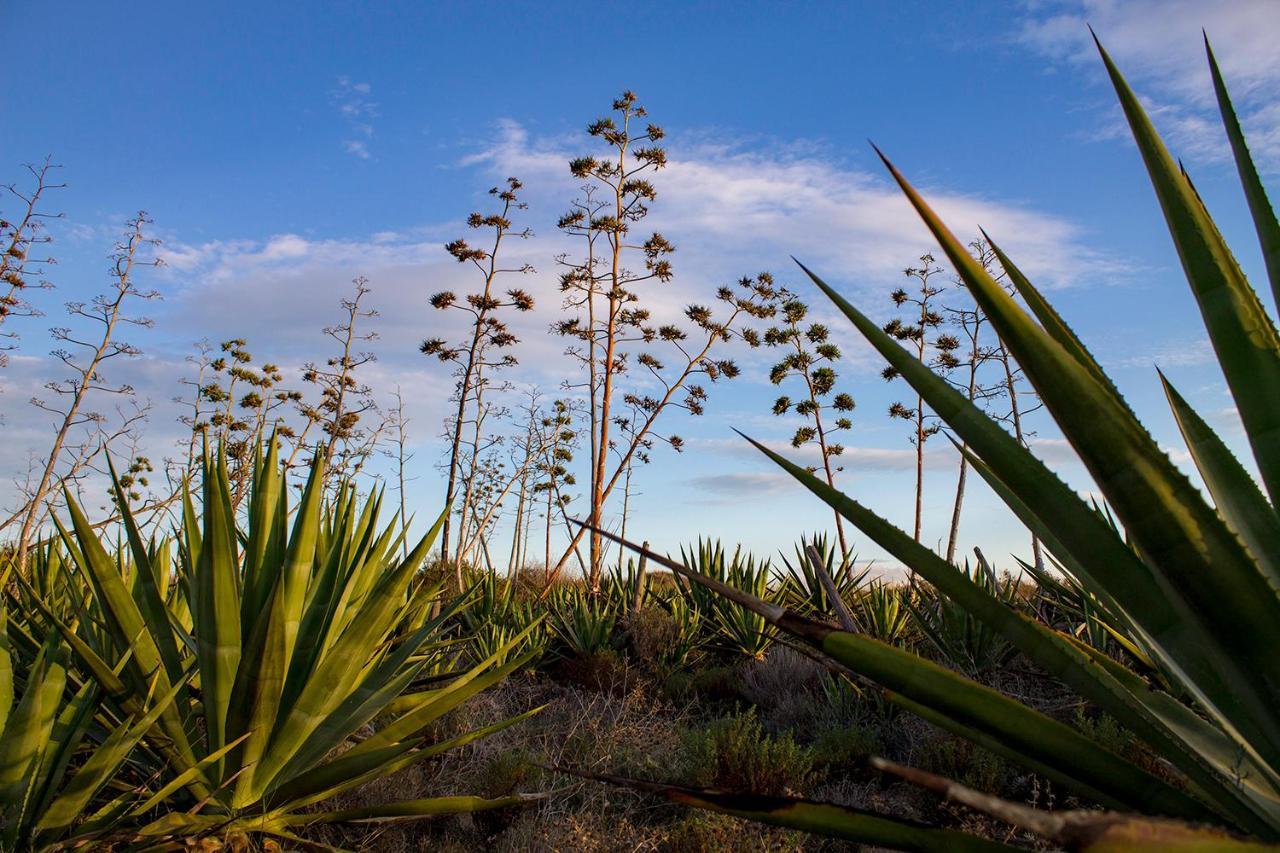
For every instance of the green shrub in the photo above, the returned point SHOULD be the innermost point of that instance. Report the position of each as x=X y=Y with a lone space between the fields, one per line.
x=735 y=754
x=845 y=749
x=960 y=760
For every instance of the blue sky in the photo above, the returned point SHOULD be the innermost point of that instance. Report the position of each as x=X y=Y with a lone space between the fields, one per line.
x=284 y=149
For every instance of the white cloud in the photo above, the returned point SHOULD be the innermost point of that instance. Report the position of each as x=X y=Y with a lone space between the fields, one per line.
x=1177 y=353
x=760 y=207
x=853 y=460
x=1159 y=46
x=743 y=483
x=358 y=147
x=358 y=110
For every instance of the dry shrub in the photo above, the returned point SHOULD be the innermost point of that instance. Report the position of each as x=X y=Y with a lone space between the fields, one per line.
x=650 y=631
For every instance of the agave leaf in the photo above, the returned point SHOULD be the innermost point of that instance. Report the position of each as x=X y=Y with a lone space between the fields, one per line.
x=337 y=673
x=100 y=767
x=265 y=499
x=1084 y=540
x=150 y=603
x=1177 y=532
x=413 y=810
x=1243 y=336
x=315 y=595
x=1086 y=831
x=1052 y=321
x=1264 y=218
x=1238 y=499
x=437 y=703
x=26 y=734
x=63 y=743
x=1034 y=734
x=829 y=819
x=343 y=774
x=255 y=697
x=125 y=621
x=185 y=778
x=1127 y=700
x=216 y=613
x=374 y=696
x=6 y=665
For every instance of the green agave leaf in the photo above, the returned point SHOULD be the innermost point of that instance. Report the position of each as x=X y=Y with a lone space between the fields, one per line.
x=124 y=620
x=1166 y=516
x=64 y=741
x=1264 y=218
x=101 y=765
x=1021 y=728
x=833 y=821
x=344 y=775
x=6 y=664
x=1080 y=537
x=264 y=542
x=1078 y=830
x=338 y=672
x=216 y=611
x=1052 y=321
x=998 y=746
x=26 y=734
x=1236 y=495
x=414 y=809
x=255 y=697
x=374 y=696
x=1126 y=700
x=150 y=602
x=185 y=778
x=437 y=703
x=311 y=594
x=1243 y=336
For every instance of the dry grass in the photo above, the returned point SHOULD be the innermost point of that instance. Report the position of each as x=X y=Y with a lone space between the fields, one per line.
x=622 y=719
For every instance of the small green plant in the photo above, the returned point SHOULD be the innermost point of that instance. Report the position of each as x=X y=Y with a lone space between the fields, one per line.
x=959 y=637
x=735 y=754
x=582 y=624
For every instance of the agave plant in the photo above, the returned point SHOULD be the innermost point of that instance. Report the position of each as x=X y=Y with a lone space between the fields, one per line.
x=583 y=624
x=882 y=610
x=1195 y=584
x=963 y=640
x=496 y=616
x=274 y=645
x=628 y=586
x=734 y=629
x=802 y=587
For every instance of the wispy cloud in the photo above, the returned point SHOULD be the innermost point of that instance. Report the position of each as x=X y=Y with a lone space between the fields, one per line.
x=355 y=104
x=1179 y=353
x=1159 y=46
x=763 y=205
x=743 y=484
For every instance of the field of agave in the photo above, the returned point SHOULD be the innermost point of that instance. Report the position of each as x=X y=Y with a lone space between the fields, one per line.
x=237 y=678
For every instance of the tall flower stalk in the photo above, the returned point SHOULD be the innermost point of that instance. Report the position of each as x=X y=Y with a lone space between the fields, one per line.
x=482 y=351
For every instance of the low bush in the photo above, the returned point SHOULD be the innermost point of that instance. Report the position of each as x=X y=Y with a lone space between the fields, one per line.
x=735 y=754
